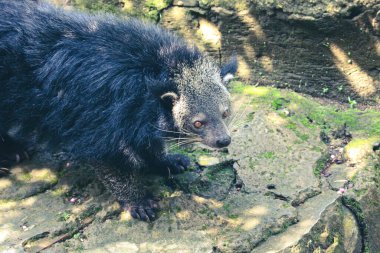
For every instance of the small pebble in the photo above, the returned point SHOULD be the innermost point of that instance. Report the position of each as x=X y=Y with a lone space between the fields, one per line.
x=326 y=174
x=341 y=191
x=73 y=200
x=238 y=186
x=285 y=112
x=207 y=160
x=376 y=146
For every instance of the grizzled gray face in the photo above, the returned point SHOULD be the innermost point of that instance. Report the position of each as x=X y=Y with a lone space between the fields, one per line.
x=203 y=104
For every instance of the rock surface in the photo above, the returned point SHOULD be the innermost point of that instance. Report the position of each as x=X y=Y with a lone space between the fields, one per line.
x=323 y=48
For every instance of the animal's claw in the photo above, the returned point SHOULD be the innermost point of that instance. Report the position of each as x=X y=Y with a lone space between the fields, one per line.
x=178 y=163
x=7 y=160
x=145 y=210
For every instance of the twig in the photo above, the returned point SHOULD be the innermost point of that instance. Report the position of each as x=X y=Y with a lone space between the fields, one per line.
x=70 y=234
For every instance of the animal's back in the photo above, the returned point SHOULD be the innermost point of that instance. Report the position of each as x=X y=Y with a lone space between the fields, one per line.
x=79 y=78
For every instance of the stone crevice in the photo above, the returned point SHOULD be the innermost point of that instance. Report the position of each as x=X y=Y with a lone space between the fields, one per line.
x=354 y=207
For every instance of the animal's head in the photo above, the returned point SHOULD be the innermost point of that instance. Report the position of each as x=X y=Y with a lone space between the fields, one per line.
x=201 y=105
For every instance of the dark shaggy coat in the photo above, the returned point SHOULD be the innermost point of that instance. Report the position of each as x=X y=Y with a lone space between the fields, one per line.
x=90 y=83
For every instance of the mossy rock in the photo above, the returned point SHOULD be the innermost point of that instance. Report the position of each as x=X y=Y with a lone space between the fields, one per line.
x=213 y=182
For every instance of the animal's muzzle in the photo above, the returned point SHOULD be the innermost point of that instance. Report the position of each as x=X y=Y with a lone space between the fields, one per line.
x=223 y=142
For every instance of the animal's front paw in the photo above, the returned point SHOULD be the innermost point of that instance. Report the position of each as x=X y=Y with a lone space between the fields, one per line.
x=144 y=210
x=11 y=151
x=11 y=158
x=177 y=163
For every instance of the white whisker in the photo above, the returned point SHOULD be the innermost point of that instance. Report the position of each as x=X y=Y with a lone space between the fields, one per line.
x=181 y=143
x=236 y=119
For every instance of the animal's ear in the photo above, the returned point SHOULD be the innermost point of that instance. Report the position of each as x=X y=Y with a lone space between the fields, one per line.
x=228 y=71
x=169 y=98
x=163 y=90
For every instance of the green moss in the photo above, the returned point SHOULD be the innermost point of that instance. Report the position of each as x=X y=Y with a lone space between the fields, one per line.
x=193 y=154
x=64 y=216
x=227 y=207
x=279 y=103
x=250 y=116
x=79 y=249
x=362 y=143
x=59 y=191
x=218 y=172
x=360 y=192
x=148 y=9
x=26 y=176
x=4 y=202
x=321 y=164
x=377 y=175
x=305 y=121
x=311 y=114
x=165 y=193
x=293 y=126
x=206 y=211
x=232 y=216
x=152 y=15
x=110 y=6
x=157 y=4
x=153 y=8
x=335 y=246
x=90 y=211
x=284 y=226
x=229 y=4
x=76 y=236
x=268 y=155
x=317 y=149
x=303 y=137
x=50 y=178
x=259 y=92
x=210 y=176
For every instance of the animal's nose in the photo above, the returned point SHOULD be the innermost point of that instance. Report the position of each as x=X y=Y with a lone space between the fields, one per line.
x=223 y=142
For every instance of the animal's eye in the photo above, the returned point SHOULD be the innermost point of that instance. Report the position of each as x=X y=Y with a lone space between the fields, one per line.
x=225 y=114
x=198 y=124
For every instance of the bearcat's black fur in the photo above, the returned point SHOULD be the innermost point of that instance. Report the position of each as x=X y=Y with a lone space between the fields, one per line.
x=94 y=84
x=112 y=68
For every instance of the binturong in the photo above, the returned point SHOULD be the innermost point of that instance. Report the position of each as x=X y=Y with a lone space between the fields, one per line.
x=110 y=91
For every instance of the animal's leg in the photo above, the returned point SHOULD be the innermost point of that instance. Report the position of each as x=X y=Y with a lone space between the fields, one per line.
x=169 y=164
x=129 y=191
x=11 y=151
x=176 y=163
